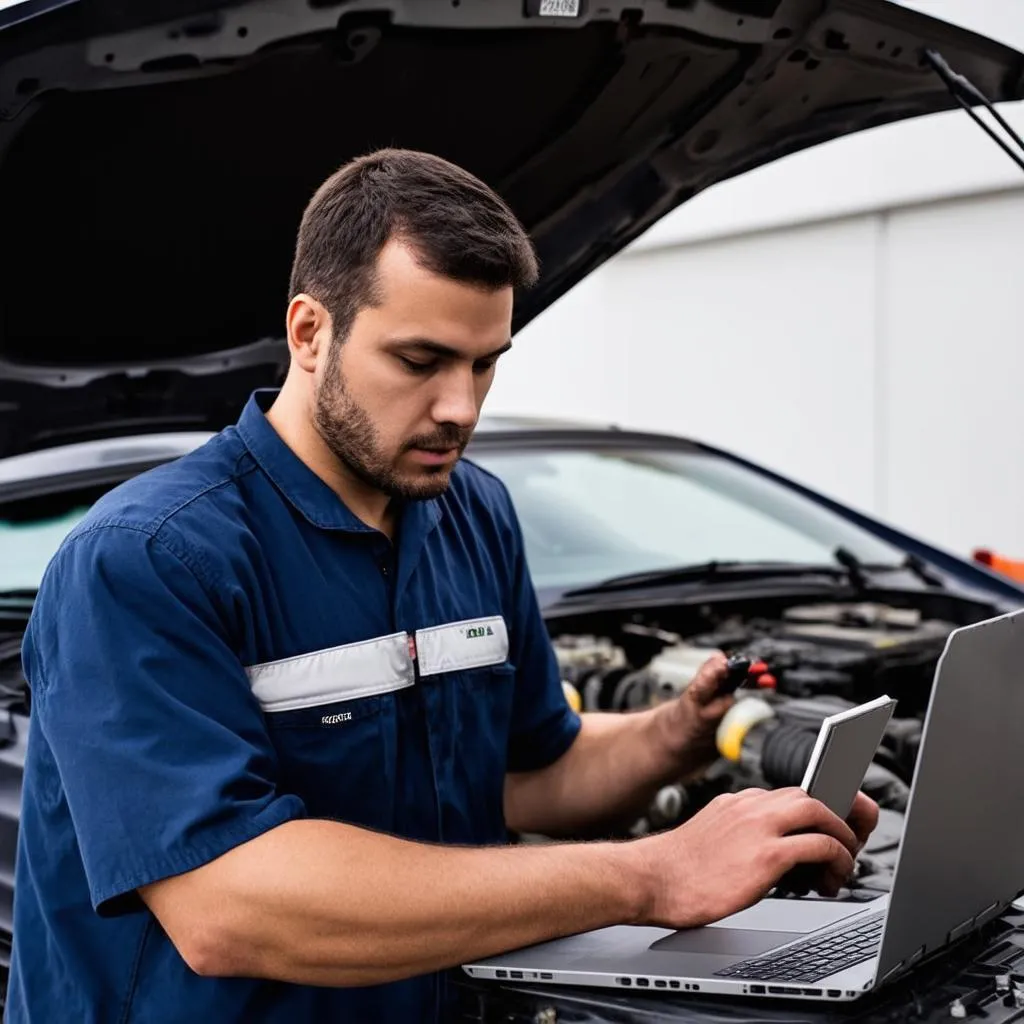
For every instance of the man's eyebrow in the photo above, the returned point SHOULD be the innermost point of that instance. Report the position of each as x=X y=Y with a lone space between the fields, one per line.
x=445 y=351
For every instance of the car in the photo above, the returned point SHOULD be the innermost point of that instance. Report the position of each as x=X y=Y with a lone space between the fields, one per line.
x=149 y=208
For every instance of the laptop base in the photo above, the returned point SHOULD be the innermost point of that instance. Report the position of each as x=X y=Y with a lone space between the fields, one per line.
x=967 y=972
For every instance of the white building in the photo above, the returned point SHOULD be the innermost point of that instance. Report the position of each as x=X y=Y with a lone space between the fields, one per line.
x=850 y=316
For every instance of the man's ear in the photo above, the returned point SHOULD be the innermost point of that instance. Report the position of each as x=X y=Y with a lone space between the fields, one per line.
x=309 y=330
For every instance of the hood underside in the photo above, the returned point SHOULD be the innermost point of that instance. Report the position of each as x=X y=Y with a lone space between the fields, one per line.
x=155 y=158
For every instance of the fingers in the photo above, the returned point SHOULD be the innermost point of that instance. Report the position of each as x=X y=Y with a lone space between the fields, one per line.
x=816 y=848
x=799 y=812
x=707 y=680
x=863 y=817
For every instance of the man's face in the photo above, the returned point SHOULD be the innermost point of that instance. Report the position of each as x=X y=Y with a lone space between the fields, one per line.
x=398 y=399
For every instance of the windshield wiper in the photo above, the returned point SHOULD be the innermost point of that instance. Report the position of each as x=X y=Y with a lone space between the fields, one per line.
x=709 y=571
x=847 y=568
x=859 y=570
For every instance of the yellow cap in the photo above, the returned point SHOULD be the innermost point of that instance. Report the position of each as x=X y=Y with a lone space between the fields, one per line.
x=737 y=722
x=572 y=695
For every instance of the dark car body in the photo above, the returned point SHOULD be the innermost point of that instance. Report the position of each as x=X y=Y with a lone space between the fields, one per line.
x=148 y=213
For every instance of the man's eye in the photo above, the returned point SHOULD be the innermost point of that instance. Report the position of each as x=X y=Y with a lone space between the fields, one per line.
x=484 y=367
x=413 y=366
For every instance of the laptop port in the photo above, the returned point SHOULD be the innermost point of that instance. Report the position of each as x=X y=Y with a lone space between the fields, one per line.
x=545 y=976
x=625 y=981
x=642 y=982
x=515 y=974
x=673 y=984
x=834 y=993
x=501 y=974
x=660 y=984
x=757 y=990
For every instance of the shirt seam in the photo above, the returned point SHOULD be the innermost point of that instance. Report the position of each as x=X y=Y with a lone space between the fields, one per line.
x=559 y=738
x=280 y=810
x=195 y=560
x=133 y=980
x=231 y=478
x=41 y=687
x=185 y=558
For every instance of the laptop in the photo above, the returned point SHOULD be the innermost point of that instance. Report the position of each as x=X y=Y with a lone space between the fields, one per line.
x=960 y=864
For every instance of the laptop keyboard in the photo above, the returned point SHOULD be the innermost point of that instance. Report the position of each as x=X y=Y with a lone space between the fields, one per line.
x=814 y=958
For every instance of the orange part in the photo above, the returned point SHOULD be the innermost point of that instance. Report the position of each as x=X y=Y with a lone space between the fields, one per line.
x=998 y=563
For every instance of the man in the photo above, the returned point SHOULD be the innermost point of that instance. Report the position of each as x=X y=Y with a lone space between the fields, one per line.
x=290 y=691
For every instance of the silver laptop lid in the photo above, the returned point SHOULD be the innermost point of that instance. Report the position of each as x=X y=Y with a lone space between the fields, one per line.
x=960 y=860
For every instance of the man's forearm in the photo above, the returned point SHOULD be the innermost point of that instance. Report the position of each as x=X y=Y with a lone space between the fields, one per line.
x=611 y=772
x=323 y=903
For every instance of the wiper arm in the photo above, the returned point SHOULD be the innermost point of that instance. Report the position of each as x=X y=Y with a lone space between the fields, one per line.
x=859 y=570
x=703 y=571
x=922 y=571
x=853 y=566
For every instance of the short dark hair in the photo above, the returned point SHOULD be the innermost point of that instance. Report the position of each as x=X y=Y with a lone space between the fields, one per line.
x=457 y=226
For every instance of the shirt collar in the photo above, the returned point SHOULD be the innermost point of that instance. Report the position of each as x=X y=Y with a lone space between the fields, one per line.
x=298 y=483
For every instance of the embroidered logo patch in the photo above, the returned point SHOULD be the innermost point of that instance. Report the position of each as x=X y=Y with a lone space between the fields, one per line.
x=345 y=716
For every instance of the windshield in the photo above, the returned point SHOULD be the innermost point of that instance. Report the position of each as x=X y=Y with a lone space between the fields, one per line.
x=586 y=515
x=27 y=545
x=590 y=515
x=31 y=530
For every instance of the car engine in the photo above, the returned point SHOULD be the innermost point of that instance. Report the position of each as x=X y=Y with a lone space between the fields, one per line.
x=814 y=661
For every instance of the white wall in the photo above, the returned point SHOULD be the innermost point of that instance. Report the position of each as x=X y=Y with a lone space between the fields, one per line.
x=850 y=316
x=952 y=384
x=735 y=342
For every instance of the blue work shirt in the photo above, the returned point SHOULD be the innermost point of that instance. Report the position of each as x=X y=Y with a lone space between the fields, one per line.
x=221 y=646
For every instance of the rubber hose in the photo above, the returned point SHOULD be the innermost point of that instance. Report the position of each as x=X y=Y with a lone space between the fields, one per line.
x=786 y=753
x=886 y=788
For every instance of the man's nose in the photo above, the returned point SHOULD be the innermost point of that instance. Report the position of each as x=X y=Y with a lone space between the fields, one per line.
x=457 y=400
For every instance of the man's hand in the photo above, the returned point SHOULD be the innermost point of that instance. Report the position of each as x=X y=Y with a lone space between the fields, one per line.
x=863 y=818
x=690 y=721
x=733 y=852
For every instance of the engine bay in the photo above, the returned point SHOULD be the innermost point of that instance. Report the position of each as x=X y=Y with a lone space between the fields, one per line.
x=812 y=660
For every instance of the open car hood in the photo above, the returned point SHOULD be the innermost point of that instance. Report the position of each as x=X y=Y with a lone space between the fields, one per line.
x=155 y=157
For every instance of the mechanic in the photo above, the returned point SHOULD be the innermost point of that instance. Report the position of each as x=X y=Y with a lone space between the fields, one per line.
x=290 y=691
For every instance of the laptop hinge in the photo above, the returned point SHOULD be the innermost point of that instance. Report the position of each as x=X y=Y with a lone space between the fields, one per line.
x=902 y=966
x=988 y=913
x=890 y=974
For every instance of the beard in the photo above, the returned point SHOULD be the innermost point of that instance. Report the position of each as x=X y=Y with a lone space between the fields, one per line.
x=350 y=434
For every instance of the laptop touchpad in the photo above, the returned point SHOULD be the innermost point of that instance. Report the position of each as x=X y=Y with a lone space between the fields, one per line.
x=723 y=941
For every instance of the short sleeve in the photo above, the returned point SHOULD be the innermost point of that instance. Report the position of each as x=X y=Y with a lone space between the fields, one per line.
x=160 y=745
x=544 y=726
